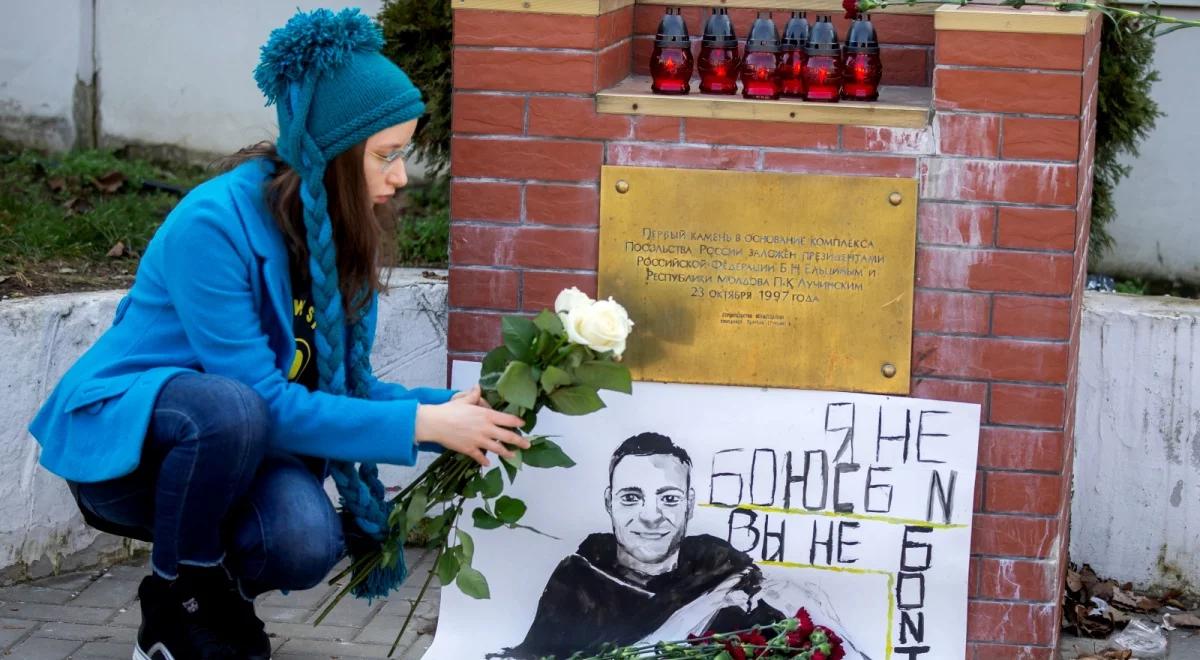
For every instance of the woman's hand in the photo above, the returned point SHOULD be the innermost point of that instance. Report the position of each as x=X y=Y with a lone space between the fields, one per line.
x=477 y=395
x=463 y=425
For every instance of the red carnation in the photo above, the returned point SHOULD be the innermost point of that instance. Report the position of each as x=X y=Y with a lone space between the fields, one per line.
x=754 y=638
x=851 y=7
x=817 y=655
x=805 y=621
x=735 y=650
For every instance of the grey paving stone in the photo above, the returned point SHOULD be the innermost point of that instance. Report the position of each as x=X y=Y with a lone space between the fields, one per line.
x=104 y=651
x=69 y=581
x=283 y=614
x=42 y=648
x=128 y=617
x=352 y=612
x=297 y=599
x=13 y=629
x=43 y=612
x=427 y=608
x=107 y=592
x=133 y=573
x=383 y=629
x=83 y=632
x=418 y=649
x=285 y=631
x=331 y=649
x=24 y=593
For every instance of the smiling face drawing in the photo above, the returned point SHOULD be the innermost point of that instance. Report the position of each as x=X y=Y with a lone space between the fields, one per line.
x=650 y=503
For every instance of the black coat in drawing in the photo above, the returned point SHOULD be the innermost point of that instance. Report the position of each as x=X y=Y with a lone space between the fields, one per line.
x=587 y=602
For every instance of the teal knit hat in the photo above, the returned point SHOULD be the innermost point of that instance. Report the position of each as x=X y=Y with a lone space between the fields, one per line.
x=332 y=89
x=329 y=82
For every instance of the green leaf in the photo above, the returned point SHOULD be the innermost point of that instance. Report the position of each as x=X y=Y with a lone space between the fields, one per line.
x=576 y=400
x=554 y=378
x=518 y=333
x=484 y=520
x=447 y=568
x=576 y=355
x=530 y=417
x=509 y=509
x=416 y=509
x=468 y=546
x=488 y=382
x=605 y=375
x=472 y=583
x=512 y=465
x=547 y=454
x=550 y=322
x=517 y=385
x=495 y=361
x=493 y=483
x=474 y=486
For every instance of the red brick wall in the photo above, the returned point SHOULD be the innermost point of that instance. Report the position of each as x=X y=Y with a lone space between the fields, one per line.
x=1004 y=172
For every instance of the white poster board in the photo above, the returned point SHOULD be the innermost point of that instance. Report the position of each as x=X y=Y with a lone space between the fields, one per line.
x=856 y=507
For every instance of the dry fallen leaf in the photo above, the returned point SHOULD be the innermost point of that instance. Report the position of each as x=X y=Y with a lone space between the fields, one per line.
x=109 y=182
x=1122 y=598
x=1147 y=604
x=1183 y=620
x=76 y=205
x=117 y=250
x=1074 y=582
x=56 y=184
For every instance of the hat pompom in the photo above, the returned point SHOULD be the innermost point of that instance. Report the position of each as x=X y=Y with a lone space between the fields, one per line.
x=310 y=44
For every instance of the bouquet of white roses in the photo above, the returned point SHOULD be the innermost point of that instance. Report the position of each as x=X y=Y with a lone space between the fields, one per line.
x=558 y=360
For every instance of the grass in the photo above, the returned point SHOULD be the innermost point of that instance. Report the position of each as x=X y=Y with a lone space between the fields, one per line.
x=62 y=214
x=78 y=205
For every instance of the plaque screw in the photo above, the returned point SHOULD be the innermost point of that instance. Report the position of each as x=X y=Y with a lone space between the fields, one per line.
x=895 y=199
x=889 y=370
x=622 y=186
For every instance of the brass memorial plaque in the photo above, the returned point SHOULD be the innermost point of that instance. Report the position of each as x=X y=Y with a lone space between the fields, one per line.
x=751 y=278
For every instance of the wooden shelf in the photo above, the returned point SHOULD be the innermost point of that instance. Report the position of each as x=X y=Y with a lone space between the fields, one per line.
x=901 y=107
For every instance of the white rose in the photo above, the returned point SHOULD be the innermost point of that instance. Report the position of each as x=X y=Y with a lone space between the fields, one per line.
x=569 y=299
x=603 y=326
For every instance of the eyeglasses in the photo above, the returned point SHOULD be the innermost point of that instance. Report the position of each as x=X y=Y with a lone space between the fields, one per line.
x=401 y=154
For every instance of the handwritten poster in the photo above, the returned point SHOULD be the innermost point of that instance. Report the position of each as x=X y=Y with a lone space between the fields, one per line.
x=695 y=508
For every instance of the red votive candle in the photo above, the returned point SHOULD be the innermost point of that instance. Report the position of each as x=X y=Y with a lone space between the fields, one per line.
x=792 y=56
x=823 y=69
x=760 y=70
x=862 y=66
x=719 y=63
x=671 y=60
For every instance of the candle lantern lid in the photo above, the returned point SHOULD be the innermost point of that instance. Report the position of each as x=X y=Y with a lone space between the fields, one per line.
x=861 y=37
x=718 y=30
x=672 y=31
x=763 y=38
x=822 y=39
x=795 y=34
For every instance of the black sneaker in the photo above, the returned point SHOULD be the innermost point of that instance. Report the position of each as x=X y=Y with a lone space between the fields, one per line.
x=247 y=630
x=179 y=622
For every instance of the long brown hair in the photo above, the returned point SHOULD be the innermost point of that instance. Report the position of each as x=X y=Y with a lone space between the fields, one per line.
x=357 y=232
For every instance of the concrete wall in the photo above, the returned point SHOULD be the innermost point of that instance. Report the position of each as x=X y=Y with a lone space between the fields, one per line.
x=45 y=54
x=1158 y=207
x=174 y=73
x=1136 y=506
x=40 y=528
x=181 y=73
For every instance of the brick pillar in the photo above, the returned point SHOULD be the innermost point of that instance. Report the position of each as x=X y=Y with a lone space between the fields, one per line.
x=1002 y=263
x=1004 y=166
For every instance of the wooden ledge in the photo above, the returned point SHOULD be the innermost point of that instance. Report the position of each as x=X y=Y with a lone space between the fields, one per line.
x=1029 y=20
x=567 y=7
x=901 y=107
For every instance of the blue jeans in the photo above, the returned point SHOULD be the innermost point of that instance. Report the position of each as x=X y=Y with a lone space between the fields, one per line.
x=207 y=492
